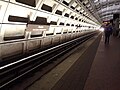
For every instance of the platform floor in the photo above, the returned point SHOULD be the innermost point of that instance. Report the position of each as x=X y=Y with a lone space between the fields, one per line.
x=76 y=76
x=104 y=73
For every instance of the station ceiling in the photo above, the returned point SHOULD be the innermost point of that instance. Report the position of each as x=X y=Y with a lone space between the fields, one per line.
x=95 y=11
x=102 y=10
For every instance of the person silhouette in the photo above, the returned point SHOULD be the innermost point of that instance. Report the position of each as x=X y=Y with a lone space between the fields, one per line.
x=108 y=31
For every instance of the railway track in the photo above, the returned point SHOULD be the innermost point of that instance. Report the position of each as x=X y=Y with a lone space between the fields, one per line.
x=16 y=70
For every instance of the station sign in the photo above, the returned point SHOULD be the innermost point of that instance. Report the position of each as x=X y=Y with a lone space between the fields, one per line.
x=32 y=27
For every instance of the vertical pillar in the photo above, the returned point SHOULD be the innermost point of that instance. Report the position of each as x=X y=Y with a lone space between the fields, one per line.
x=2 y=31
x=116 y=24
x=0 y=53
x=27 y=36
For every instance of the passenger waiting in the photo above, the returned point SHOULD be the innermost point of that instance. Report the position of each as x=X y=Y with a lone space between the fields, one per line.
x=108 y=31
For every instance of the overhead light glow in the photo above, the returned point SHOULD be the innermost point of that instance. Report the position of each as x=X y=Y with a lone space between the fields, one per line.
x=101 y=29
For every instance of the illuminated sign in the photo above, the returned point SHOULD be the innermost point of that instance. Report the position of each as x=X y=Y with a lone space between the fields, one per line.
x=32 y=27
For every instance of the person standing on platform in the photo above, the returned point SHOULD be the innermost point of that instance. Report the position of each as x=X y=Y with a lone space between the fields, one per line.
x=108 y=31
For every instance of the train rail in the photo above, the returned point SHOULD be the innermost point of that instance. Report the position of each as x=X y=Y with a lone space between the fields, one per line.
x=13 y=71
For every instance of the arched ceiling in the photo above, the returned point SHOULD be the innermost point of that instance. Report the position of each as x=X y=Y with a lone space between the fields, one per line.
x=92 y=11
x=102 y=9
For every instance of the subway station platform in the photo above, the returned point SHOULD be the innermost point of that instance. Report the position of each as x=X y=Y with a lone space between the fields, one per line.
x=96 y=69
x=105 y=71
x=58 y=45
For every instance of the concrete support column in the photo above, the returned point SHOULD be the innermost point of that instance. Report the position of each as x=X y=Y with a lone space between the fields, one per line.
x=2 y=31
x=0 y=53
x=27 y=36
x=116 y=24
